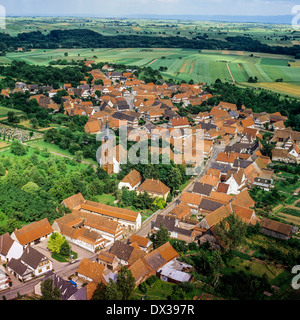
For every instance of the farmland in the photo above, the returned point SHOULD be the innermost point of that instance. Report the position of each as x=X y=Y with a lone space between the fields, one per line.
x=182 y=64
x=274 y=72
x=266 y=33
x=279 y=73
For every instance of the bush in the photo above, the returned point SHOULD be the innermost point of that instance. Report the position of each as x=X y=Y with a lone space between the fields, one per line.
x=143 y=287
x=151 y=280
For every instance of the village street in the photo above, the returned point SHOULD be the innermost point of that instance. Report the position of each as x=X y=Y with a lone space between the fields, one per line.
x=147 y=226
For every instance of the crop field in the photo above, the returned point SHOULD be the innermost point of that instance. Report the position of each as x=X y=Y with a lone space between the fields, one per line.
x=279 y=73
x=271 y=34
x=273 y=72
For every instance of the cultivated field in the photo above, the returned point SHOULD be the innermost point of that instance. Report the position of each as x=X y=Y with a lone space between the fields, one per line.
x=182 y=64
x=278 y=73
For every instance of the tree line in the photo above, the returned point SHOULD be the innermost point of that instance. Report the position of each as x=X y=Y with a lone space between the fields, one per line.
x=85 y=38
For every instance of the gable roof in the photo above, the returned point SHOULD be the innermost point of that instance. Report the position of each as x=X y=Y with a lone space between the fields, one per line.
x=154 y=186
x=17 y=266
x=276 y=226
x=65 y=287
x=110 y=211
x=243 y=199
x=210 y=204
x=209 y=179
x=226 y=157
x=5 y=243
x=92 y=270
x=33 y=231
x=160 y=256
x=32 y=257
x=216 y=216
x=74 y=202
x=141 y=241
x=133 y=178
x=203 y=188
x=192 y=198
x=126 y=252
x=179 y=122
x=181 y=210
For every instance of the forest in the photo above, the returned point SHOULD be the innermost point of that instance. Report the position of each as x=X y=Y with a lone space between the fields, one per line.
x=33 y=183
x=85 y=38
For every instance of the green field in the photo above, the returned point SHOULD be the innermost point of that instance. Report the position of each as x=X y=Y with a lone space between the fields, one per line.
x=182 y=64
x=271 y=34
x=4 y=111
x=275 y=72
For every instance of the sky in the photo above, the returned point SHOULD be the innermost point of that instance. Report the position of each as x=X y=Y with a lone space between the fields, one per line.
x=117 y=8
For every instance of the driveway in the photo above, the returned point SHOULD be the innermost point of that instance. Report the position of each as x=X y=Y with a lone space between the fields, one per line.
x=81 y=254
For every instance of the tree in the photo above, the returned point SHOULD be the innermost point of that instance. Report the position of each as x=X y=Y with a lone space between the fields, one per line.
x=125 y=283
x=231 y=231
x=11 y=118
x=174 y=178
x=160 y=237
x=100 y=292
x=216 y=263
x=18 y=149
x=30 y=187
x=78 y=156
x=112 y=291
x=2 y=170
x=50 y=292
x=159 y=203
x=55 y=242
x=34 y=123
x=65 y=249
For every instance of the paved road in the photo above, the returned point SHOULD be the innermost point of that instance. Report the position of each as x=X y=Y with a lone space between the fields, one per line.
x=64 y=270
x=28 y=287
x=146 y=228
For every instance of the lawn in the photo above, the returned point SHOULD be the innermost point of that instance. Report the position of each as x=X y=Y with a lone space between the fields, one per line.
x=257 y=268
x=70 y=164
x=105 y=198
x=4 y=111
x=4 y=144
x=51 y=147
x=160 y=290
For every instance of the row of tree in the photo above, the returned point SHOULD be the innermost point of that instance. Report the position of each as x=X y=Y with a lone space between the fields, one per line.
x=85 y=38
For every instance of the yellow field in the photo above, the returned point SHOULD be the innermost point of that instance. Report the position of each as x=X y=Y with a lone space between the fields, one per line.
x=295 y=64
x=136 y=28
x=192 y=67
x=281 y=87
x=184 y=68
x=3 y=145
x=151 y=62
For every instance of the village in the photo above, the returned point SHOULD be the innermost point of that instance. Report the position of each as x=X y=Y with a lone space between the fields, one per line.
x=108 y=238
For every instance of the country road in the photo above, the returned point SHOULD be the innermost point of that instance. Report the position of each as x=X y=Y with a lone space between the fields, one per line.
x=233 y=80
